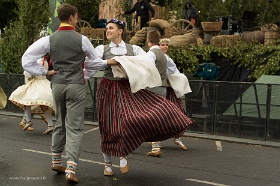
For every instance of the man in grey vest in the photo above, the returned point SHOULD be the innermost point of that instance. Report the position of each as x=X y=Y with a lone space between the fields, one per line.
x=68 y=50
x=155 y=52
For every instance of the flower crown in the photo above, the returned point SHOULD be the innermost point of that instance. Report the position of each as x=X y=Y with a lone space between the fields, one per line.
x=164 y=40
x=116 y=21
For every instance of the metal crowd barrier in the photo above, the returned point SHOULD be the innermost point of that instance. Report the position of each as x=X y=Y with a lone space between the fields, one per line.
x=235 y=109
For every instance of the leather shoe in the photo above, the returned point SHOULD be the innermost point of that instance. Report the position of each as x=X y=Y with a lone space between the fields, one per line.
x=155 y=153
x=108 y=173
x=71 y=178
x=123 y=161
x=180 y=143
x=48 y=131
x=29 y=124
x=58 y=168
x=124 y=170
x=22 y=124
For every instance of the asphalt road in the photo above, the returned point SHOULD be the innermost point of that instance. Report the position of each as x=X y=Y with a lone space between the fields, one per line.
x=25 y=159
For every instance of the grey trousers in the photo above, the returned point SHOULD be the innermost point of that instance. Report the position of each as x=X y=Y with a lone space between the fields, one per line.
x=69 y=101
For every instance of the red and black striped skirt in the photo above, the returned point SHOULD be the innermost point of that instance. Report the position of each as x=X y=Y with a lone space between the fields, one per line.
x=127 y=119
x=170 y=95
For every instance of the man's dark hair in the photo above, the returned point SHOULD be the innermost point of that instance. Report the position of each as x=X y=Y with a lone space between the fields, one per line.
x=154 y=37
x=65 y=10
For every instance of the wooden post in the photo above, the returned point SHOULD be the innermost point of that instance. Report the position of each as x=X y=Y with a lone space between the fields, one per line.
x=139 y=23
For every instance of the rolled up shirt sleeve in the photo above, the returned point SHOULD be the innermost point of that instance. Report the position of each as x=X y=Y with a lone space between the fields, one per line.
x=171 y=67
x=94 y=61
x=35 y=51
x=152 y=56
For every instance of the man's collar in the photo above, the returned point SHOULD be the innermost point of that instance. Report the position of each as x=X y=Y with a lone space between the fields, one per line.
x=154 y=46
x=65 y=24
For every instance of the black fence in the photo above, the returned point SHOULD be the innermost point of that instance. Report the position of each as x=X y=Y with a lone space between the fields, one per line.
x=234 y=109
x=10 y=82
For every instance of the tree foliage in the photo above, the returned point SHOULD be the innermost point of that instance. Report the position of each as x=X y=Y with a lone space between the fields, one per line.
x=6 y=14
x=88 y=9
x=24 y=20
x=22 y=32
x=261 y=59
x=209 y=10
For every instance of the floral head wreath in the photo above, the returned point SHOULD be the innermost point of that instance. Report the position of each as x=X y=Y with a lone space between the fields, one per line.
x=116 y=21
x=164 y=40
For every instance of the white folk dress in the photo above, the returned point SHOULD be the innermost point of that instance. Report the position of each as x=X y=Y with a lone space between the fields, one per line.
x=37 y=91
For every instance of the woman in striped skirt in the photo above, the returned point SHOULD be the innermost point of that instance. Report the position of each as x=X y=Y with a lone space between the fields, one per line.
x=127 y=119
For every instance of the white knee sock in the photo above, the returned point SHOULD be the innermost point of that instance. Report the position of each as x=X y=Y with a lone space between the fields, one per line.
x=123 y=161
x=27 y=112
x=107 y=158
x=48 y=115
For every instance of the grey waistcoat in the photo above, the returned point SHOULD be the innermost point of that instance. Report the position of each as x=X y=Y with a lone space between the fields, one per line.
x=161 y=63
x=108 y=55
x=67 y=57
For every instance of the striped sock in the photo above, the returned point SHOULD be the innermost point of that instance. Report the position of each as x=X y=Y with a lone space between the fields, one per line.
x=56 y=159
x=108 y=167
x=155 y=146
x=71 y=167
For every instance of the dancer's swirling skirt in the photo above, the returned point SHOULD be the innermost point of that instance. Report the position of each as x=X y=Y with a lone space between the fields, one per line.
x=127 y=119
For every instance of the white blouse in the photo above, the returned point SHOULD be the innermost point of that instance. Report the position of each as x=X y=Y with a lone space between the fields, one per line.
x=118 y=50
x=171 y=67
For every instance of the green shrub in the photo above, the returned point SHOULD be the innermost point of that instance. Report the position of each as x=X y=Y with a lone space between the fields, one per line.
x=32 y=17
x=261 y=59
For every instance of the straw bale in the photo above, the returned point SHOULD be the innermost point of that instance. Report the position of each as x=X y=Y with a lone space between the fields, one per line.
x=182 y=40
x=161 y=23
x=139 y=37
x=225 y=40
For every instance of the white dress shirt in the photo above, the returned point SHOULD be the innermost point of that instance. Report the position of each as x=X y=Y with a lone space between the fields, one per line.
x=151 y=54
x=170 y=67
x=42 y=46
x=119 y=50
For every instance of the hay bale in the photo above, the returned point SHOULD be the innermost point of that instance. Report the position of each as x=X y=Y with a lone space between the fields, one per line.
x=86 y=31
x=139 y=37
x=161 y=23
x=165 y=32
x=182 y=40
x=225 y=40
x=99 y=33
x=199 y=41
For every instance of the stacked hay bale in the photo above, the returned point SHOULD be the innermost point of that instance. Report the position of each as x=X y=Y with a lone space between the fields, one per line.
x=162 y=24
x=271 y=34
x=139 y=38
x=86 y=31
x=225 y=40
x=182 y=40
